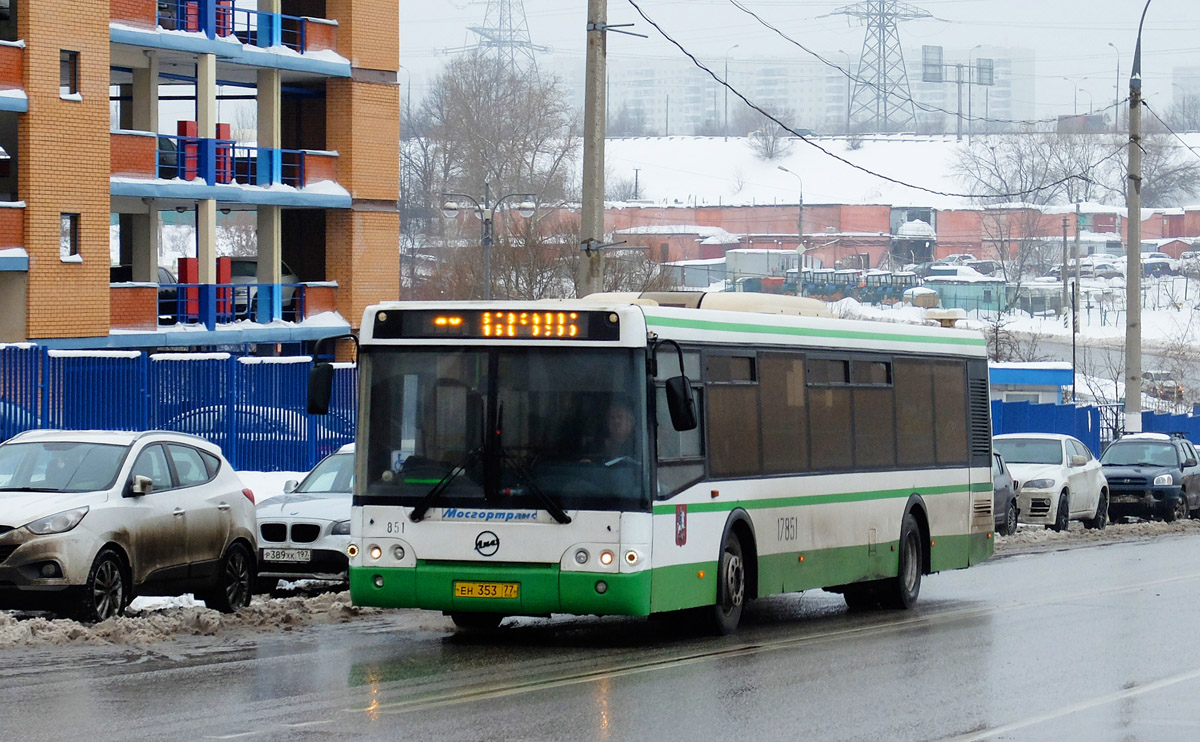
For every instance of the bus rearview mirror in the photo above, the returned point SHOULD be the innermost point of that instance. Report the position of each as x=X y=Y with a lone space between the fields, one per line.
x=320 y=388
x=680 y=403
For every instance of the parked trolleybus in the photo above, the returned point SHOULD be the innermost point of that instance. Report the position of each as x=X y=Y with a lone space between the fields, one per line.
x=618 y=456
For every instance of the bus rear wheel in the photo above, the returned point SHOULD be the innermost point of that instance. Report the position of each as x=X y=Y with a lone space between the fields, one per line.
x=731 y=588
x=476 y=621
x=902 y=591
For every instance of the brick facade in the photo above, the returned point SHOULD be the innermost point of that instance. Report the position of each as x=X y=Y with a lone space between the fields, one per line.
x=133 y=307
x=63 y=151
x=134 y=155
x=367 y=32
x=364 y=128
x=12 y=228
x=319 y=167
x=318 y=299
x=361 y=254
x=134 y=12
x=12 y=67
x=320 y=36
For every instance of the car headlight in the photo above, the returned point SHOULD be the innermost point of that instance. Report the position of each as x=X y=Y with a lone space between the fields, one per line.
x=1038 y=484
x=1164 y=479
x=341 y=528
x=57 y=523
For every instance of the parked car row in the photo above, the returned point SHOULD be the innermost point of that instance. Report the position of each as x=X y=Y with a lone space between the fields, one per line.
x=1051 y=479
x=91 y=519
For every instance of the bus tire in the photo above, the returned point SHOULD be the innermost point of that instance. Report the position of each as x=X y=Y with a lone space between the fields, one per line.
x=731 y=587
x=477 y=621
x=901 y=591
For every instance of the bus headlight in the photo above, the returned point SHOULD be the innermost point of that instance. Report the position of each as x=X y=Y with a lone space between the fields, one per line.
x=606 y=557
x=581 y=556
x=398 y=552
x=375 y=551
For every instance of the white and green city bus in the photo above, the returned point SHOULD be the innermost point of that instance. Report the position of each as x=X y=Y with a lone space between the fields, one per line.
x=770 y=453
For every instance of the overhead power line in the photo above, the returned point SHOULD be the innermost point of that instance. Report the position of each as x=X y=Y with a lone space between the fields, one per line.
x=839 y=158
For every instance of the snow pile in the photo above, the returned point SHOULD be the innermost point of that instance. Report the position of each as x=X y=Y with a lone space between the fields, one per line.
x=850 y=308
x=1039 y=538
x=183 y=617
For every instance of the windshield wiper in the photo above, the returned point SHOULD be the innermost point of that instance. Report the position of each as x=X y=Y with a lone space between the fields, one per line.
x=548 y=503
x=440 y=488
x=30 y=489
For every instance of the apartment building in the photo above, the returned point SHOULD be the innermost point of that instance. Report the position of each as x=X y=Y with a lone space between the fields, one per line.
x=97 y=151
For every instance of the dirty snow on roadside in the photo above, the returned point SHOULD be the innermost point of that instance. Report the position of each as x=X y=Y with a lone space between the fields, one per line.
x=1039 y=538
x=164 y=619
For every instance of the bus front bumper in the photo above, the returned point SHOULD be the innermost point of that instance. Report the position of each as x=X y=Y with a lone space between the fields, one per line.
x=542 y=589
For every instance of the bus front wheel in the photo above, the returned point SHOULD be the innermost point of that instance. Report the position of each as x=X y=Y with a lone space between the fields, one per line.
x=731 y=588
x=902 y=591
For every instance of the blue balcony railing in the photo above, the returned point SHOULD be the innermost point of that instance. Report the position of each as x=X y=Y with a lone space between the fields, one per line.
x=224 y=161
x=220 y=19
x=189 y=303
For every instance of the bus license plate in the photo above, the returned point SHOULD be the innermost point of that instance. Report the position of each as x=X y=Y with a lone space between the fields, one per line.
x=508 y=590
x=287 y=555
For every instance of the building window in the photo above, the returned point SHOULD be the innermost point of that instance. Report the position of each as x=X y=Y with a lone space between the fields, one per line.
x=68 y=241
x=68 y=73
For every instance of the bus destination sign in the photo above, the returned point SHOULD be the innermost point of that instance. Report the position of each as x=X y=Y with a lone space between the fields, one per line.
x=479 y=324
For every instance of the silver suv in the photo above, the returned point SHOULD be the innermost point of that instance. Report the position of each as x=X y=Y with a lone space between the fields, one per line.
x=89 y=519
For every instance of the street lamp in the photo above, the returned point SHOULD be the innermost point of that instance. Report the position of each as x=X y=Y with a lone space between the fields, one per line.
x=971 y=91
x=1076 y=84
x=799 y=227
x=1133 y=250
x=1117 y=92
x=487 y=213
x=849 y=77
x=726 y=78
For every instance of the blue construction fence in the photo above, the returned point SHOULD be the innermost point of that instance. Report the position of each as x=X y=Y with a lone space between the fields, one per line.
x=253 y=407
x=1096 y=427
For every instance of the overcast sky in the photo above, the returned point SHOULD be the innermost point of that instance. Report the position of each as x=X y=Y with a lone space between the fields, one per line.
x=1067 y=37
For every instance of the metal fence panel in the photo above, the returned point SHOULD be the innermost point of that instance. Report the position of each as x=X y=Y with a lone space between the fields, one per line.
x=95 y=390
x=274 y=431
x=20 y=388
x=1027 y=417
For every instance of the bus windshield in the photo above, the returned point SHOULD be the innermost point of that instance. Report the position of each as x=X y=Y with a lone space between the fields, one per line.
x=506 y=428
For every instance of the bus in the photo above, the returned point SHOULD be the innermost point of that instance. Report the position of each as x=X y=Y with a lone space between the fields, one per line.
x=765 y=451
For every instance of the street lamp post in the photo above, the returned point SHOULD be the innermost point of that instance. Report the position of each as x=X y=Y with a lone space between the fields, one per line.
x=849 y=78
x=487 y=214
x=971 y=91
x=1133 y=251
x=1117 y=92
x=1076 y=99
x=799 y=228
x=726 y=78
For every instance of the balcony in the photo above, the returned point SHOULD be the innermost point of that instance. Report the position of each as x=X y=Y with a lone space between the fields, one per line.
x=238 y=35
x=187 y=307
x=12 y=80
x=186 y=167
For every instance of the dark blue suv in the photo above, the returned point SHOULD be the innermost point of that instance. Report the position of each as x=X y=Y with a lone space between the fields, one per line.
x=1152 y=475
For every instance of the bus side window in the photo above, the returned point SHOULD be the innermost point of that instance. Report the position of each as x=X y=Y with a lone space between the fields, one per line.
x=680 y=453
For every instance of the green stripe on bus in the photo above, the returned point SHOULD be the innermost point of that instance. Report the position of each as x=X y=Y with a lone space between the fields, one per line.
x=700 y=324
x=837 y=497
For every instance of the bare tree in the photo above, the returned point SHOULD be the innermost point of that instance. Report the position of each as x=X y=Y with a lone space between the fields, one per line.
x=1184 y=114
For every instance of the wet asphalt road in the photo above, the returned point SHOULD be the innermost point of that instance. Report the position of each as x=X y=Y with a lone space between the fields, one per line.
x=1092 y=643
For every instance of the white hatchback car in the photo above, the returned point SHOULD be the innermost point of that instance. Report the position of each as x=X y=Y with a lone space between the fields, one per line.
x=305 y=531
x=89 y=519
x=1058 y=479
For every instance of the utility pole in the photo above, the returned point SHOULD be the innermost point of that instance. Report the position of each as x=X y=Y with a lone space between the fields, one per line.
x=1075 y=297
x=636 y=170
x=591 y=233
x=958 y=125
x=1133 y=252
x=1063 y=272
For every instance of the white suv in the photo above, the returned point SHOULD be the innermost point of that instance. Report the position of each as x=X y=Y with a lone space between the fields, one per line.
x=89 y=519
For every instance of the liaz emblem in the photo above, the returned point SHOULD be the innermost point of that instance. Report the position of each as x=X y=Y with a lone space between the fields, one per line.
x=680 y=525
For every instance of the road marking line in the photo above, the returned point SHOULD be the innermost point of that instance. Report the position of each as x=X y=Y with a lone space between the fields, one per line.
x=1081 y=706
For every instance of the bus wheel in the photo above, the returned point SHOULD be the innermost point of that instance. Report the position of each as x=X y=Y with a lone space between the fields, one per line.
x=902 y=591
x=476 y=621
x=731 y=588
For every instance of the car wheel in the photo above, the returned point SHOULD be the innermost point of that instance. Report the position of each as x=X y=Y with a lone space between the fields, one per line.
x=234 y=581
x=1101 y=518
x=902 y=591
x=476 y=621
x=1179 y=511
x=1011 y=514
x=1062 y=520
x=106 y=592
x=731 y=588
